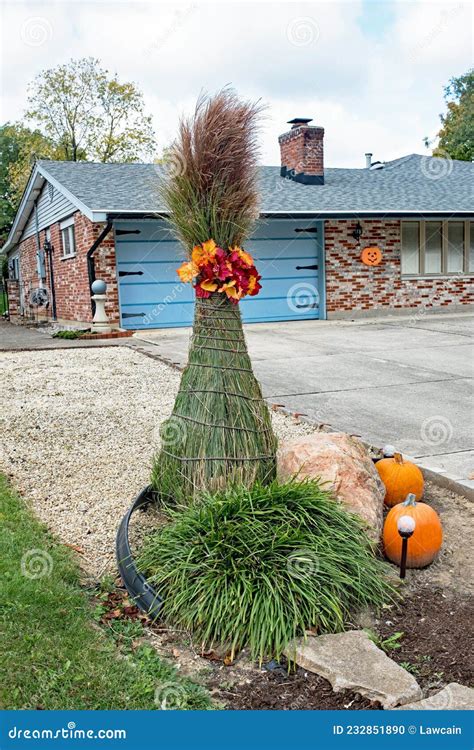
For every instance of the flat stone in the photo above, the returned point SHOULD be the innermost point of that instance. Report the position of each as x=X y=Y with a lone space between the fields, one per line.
x=351 y=661
x=453 y=697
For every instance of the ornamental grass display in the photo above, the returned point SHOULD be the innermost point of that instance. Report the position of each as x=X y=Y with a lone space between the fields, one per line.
x=220 y=429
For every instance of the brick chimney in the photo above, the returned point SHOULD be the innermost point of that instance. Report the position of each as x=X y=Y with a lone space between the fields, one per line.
x=302 y=152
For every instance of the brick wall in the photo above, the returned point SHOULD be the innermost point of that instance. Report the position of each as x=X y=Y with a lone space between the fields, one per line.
x=354 y=287
x=13 y=291
x=71 y=281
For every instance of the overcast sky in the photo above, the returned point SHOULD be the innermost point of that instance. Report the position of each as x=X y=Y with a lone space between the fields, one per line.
x=371 y=73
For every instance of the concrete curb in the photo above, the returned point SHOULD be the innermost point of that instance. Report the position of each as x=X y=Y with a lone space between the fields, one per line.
x=433 y=476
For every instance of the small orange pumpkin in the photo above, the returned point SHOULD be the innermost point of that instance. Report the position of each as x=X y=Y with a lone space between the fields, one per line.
x=400 y=479
x=425 y=542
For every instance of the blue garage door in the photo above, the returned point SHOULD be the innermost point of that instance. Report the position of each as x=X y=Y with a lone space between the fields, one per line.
x=288 y=254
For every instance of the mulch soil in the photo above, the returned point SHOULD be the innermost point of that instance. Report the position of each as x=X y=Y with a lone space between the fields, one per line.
x=437 y=645
x=278 y=690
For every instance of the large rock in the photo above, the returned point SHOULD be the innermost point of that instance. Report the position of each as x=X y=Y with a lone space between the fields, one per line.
x=343 y=462
x=351 y=661
x=453 y=697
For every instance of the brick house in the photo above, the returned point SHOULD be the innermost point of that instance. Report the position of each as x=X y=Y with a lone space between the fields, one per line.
x=330 y=242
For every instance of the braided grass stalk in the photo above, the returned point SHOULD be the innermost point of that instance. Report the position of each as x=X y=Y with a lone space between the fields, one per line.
x=220 y=430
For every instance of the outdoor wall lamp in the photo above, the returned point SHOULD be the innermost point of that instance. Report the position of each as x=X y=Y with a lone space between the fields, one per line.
x=357 y=233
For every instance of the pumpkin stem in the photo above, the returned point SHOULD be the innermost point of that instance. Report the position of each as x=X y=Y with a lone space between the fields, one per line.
x=398 y=458
x=411 y=499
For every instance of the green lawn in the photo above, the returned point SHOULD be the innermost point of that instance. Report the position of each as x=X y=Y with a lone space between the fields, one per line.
x=53 y=652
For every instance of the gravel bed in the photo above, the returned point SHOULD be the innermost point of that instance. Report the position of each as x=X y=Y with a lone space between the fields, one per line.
x=79 y=431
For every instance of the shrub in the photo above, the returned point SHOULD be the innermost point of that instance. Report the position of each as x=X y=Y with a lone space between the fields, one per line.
x=259 y=566
x=69 y=334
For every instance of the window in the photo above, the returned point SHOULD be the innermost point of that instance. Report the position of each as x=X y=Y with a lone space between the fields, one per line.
x=411 y=247
x=430 y=248
x=14 y=268
x=433 y=247
x=67 y=238
x=455 y=259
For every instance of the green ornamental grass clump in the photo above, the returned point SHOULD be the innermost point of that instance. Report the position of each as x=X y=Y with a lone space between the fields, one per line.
x=257 y=567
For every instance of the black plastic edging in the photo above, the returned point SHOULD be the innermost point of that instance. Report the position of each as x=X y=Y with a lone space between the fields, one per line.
x=142 y=592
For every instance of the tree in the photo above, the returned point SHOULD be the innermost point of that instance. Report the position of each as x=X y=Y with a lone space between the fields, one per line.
x=456 y=137
x=19 y=146
x=90 y=115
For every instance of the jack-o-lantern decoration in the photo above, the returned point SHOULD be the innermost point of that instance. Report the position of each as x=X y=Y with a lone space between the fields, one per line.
x=371 y=256
x=426 y=539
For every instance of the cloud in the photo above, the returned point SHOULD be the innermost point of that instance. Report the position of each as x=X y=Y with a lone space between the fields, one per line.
x=373 y=79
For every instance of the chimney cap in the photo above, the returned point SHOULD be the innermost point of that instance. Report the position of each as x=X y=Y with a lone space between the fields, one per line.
x=297 y=121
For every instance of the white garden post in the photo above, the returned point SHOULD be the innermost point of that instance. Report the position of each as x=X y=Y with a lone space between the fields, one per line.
x=100 y=321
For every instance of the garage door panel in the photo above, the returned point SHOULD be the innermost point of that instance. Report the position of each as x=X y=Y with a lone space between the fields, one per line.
x=144 y=231
x=147 y=250
x=148 y=273
x=285 y=228
x=287 y=268
x=151 y=295
x=160 y=315
x=285 y=248
x=282 y=287
x=257 y=309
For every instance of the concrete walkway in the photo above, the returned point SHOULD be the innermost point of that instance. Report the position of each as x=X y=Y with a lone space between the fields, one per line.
x=401 y=380
x=23 y=338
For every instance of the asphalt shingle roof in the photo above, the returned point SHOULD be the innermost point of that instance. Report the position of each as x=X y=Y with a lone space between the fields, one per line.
x=412 y=183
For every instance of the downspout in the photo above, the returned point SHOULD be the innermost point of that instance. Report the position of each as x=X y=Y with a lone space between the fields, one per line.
x=38 y=244
x=90 y=258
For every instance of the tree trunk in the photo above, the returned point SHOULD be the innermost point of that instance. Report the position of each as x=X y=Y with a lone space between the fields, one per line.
x=220 y=430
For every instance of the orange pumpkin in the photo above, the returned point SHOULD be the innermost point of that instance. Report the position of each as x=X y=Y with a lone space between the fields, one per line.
x=425 y=542
x=400 y=479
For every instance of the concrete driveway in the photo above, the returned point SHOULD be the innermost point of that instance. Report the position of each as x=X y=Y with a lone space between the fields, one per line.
x=406 y=381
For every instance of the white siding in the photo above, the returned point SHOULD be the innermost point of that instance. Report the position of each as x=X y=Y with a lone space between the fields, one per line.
x=49 y=210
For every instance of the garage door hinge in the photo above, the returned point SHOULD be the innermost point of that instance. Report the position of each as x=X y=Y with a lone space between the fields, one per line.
x=311 y=230
x=127 y=231
x=130 y=273
x=133 y=315
x=312 y=268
